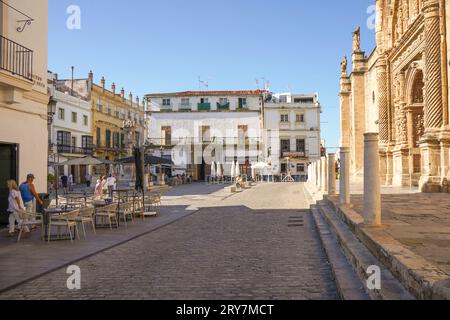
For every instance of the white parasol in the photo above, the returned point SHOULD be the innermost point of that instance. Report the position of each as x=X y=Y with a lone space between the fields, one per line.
x=238 y=169
x=213 y=169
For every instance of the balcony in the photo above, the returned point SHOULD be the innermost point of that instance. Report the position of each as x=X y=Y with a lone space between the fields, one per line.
x=204 y=106
x=223 y=106
x=16 y=59
x=185 y=107
x=75 y=150
x=293 y=154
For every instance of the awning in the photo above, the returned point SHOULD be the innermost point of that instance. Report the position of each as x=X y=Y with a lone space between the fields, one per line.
x=86 y=161
x=152 y=160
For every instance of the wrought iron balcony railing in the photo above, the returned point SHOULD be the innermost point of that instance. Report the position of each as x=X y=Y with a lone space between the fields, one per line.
x=75 y=150
x=16 y=59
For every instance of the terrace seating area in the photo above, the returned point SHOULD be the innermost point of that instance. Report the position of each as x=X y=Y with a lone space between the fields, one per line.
x=77 y=215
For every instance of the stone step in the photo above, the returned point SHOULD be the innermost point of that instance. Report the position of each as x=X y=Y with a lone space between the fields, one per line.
x=361 y=259
x=423 y=279
x=349 y=285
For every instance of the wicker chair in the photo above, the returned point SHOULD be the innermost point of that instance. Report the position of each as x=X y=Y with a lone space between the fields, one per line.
x=87 y=216
x=67 y=220
x=29 y=220
x=126 y=210
x=110 y=213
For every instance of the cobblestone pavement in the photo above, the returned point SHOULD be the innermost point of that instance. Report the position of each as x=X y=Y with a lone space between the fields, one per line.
x=234 y=251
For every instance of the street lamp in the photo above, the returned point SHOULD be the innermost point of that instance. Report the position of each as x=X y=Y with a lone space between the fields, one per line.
x=51 y=111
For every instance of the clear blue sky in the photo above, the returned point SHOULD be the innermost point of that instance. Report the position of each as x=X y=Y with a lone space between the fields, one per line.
x=149 y=46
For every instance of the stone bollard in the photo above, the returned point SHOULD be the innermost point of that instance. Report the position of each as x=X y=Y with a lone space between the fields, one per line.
x=331 y=174
x=324 y=175
x=319 y=174
x=372 y=192
x=344 y=175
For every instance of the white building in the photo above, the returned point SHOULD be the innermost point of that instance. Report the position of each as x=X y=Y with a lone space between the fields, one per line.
x=70 y=132
x=292 y=133
x=195 y=128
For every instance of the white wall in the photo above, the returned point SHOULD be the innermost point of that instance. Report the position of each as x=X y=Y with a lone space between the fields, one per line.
x=253 y=102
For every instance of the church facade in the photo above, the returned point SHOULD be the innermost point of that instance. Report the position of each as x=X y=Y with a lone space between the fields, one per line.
x=401 y=91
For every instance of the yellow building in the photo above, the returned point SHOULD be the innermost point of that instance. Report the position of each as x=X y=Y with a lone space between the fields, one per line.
x=23 y=93
x=110 y=111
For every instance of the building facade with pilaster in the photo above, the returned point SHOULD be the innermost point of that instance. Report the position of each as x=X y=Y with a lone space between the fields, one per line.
x=401 y=92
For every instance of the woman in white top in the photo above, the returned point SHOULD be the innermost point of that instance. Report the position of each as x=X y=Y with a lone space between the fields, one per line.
x=14 y=203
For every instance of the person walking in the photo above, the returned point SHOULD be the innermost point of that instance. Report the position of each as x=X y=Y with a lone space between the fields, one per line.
x=64 y=182
x=28 y=193
x=110 y=183
x=70 y=182
x=88 y=180
x=14 y=203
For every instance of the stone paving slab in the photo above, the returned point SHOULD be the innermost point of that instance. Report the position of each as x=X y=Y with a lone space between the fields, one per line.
x=421 y=266
x=236 y=249
x=32 y=257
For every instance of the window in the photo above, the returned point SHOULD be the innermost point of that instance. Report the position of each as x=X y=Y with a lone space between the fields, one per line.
x=108 y=138
x=85 y=120
x=122 y=141
x=300 y=145
x=300 y=168
x=185 y=102
x=283 y=168
x=285 y=145
x=284 y=118
x=99 y=106
x=108 y=110
x=64 y=138
x=116 y=140
x=300 y=118
x=166 y=136
x=74 y=142
x=205 y=133
x=98 y=137
x=204 y=100
x=242 y=103
x=166 y=102
x=74 y=117
x=87 y=143
x=116 y=112
x=61 y=114
x=223 y=101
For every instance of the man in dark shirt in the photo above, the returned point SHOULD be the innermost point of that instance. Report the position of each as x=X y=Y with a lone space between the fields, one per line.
x=64 y=181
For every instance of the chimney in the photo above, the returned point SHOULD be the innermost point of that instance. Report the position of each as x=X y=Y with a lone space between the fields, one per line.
x=102 y=82
x=91 y=76
x=122 y=94
x=113 y=88
x=130 y=96
x=137 y=102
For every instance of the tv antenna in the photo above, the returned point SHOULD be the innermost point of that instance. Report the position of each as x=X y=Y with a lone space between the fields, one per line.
x=202 y=83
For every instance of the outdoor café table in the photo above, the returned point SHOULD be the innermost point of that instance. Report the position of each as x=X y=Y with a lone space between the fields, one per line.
x=46 y=216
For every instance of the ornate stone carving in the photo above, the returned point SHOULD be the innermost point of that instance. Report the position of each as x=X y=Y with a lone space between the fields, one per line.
x=344 y=67
x=357 y=40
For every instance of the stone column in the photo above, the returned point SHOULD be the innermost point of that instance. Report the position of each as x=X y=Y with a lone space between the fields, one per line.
x=344 y=182
x=331 y=174
x=324 y=175
x=372 y=192
x=383 y=100
x=433 y=99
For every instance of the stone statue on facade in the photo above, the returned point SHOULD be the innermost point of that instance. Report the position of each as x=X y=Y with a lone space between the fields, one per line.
x=357 y=40
x=344 y=67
